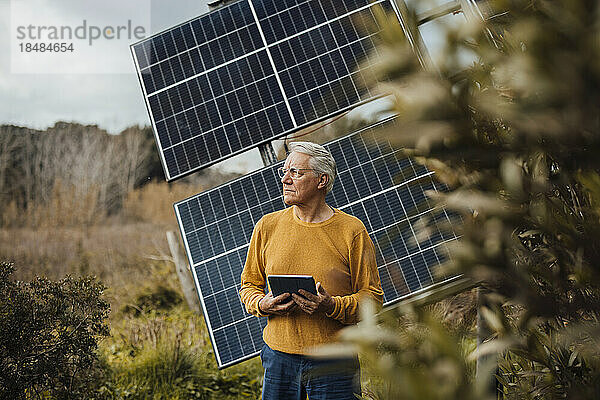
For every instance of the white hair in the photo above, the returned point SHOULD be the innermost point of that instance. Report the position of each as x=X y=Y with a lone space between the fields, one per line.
x=320 y=160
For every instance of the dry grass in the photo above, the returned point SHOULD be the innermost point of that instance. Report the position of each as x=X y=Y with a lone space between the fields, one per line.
x=127 y=252
x=154 y=202
x=66 y=205
x=122 y=256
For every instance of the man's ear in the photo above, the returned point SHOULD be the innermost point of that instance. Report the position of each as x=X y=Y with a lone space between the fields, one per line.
x=323 y=181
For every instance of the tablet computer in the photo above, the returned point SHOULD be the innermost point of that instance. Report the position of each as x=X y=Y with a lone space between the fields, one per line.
x=280 y=284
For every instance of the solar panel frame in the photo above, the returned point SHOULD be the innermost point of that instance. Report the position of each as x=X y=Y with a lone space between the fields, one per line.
x=245 y=208
x=191 y=150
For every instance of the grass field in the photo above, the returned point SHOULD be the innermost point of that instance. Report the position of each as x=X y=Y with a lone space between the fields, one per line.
x=158 y=348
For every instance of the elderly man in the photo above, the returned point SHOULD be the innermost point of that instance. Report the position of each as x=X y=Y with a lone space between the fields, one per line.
x=308 y=238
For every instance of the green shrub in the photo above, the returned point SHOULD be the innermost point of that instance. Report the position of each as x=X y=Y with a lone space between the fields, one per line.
x=49 y=333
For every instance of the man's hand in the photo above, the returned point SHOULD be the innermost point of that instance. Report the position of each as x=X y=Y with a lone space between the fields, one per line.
x=309 y=303
x=276 y=305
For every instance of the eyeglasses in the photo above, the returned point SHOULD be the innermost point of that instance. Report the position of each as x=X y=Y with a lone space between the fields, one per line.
x=294 y=172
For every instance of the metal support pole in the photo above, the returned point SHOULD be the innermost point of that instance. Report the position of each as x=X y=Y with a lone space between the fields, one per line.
x=267 y=153
x=439 y=11
x=413 y=36
x=487 y=365
x=183 y=273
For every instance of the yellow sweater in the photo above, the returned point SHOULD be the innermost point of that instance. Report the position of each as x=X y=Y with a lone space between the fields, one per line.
x=337 y=252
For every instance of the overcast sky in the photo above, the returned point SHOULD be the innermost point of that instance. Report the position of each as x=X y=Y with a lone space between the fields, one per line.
x=113 y=101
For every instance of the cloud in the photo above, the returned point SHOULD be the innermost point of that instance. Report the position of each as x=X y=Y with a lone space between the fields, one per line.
x=82 y=98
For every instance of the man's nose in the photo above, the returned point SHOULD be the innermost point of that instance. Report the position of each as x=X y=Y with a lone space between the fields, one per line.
x=286 y=178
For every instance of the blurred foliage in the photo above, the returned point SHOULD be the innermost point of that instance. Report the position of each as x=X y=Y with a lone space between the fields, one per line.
x=516 y=137
x=49 y=333
x=413 y=354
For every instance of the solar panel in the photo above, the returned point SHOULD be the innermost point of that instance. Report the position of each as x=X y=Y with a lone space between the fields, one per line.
x=375 y=183
x=250 y=72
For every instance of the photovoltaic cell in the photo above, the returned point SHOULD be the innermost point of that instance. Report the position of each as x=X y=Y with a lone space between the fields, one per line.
x=375 y=183
x=250 y=72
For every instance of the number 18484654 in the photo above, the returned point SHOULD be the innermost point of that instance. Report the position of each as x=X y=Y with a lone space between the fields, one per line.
x=29 y=47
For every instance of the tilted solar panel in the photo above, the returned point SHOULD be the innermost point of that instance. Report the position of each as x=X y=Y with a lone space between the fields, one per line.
x=250 y=72
x=375 y=183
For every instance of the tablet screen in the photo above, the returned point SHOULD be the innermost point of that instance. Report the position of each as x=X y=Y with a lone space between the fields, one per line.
x=291 y=284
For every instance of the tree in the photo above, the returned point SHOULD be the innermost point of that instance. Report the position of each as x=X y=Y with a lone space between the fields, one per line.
x=49 y=332
x=70 y=173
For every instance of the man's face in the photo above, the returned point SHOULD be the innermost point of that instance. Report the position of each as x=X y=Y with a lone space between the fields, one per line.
x=304 y=188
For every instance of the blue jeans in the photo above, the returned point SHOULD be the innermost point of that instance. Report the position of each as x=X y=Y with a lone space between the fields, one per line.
x=293 y=376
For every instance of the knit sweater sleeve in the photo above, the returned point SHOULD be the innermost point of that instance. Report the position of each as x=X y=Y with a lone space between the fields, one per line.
x=253 y=274
x=364 y=279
